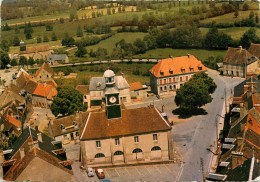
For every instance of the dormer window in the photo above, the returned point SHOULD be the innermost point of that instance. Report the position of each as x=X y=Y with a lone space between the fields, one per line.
x=62 y=126
x=200 y=67
x=183 y=70
x=191 y=68
x=171 y=71
x=161 y=72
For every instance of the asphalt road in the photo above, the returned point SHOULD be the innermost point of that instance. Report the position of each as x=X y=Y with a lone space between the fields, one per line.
x=196 y=134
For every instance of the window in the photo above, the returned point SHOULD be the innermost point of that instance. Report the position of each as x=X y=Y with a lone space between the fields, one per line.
x=117 y=141
x=155 y=137
x=170 y=87
x=137 y=150
x=47 y=76
x=174 y=86
x=180 y=78
x=165 y=88
x=164 y=81
x=200 y=67
x=173 y=79
x=98 y=144
x=187 y=78
x=170 y=80
x=136 y=139
x=160 y=88
x=183 y=70
x=119 y=153
x=99 y=155
x=85 y=97
x=40 y=76
x=171 y=71
x=160 y=82
x=156 y=148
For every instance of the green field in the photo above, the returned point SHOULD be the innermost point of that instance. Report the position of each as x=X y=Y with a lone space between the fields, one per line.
x=167 y=52
x=86 y=72
x=228 y=18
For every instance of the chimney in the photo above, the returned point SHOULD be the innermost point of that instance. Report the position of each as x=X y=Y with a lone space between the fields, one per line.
x=236 y=159
x=240 y=48
x=188 y=55
x=39 y=136
x=22 y=153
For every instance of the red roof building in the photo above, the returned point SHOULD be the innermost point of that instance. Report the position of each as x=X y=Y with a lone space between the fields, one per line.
x=171 y=73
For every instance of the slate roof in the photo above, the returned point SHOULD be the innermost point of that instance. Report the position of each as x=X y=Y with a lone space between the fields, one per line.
x=254 y=49
x=238 y=56
x=98 y=83
x=84 y=89
x=57 y=57
x=133 y=122
x=239 y=89
x=188 y=63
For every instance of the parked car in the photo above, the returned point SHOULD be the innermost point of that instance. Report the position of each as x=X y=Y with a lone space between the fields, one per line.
x=100 y=173
x=90 y=172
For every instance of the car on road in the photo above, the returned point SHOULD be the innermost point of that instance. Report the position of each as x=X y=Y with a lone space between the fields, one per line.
x=100 y=173
x=90 y=172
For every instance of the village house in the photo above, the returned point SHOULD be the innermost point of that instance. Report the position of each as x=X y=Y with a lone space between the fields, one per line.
x=44 y=73
x=40 y=52
x=254 y=49
x=120 y=136
x=138 y=91
x=98 y=87
x=170 y=74
x=34 y=157
x=57 y=59
x=239 y=62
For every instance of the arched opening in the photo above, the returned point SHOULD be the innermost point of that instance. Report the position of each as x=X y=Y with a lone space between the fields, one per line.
x=156 y=148
x=156 y=152
x=119 y=153
x=99 y=155
x=137 y=154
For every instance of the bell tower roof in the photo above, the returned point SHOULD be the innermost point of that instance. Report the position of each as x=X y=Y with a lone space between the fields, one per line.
x=109 y=73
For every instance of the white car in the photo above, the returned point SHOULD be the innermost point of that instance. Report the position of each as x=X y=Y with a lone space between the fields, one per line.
x=90 y=172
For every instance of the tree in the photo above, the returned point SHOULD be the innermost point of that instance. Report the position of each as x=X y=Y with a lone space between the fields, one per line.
x=113 y=11
x=81 y=51
x=67 y=40
x=39 y=39
x=4 y=59
x=195 y=93
x=256 y=18
x=22 y=61
x=236 y=13
x=16 y=41
x=67 y=102
x=31 y=61
x=140 y=46
x=245 y=7
x=79 y=32
x=45 y=38
x=251 y=15
x=108 y=11
x=53 y=36
x=248 y=37
x=4 y=45
x=93 y=14
x=13 y=62
x=49 y=27
x=28 y=30
x=61 y=20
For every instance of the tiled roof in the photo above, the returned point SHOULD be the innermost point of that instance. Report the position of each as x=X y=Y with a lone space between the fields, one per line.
x=256 y=101
x=68 y=124
x=38 y=48
x=133 y=122
x=52 y=82
x=238 y=56
x=44 y=150
x=236 y=129
x=254 y=49
x=14 y=121
x=136 y=86
x=21 y=80
x=45 y=90
x=30 y=86
x=10 y=96
x=46 y=67
x=175 y=66
x=84 y=89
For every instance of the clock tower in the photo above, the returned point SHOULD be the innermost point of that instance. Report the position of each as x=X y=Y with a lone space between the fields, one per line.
x=113 y=108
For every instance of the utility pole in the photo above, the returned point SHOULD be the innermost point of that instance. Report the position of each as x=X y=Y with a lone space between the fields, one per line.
x=202 y=169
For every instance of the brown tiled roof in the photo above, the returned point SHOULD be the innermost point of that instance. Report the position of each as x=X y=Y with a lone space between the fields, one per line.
x=133 y=122
x=52 y=82
x=10 y=96
x=67 y=122
x=21 y=80
x=30 y=86
x=238 y=56
x=84 y=89
x=14 y=88
x=175 y=66
x=136 y=86
x=46 y=67
x=254 y=49
x=38 y=48
x=256 y=101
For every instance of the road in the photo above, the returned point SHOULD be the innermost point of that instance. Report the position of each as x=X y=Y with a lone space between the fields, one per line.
x=199 y=132
x=194 y=135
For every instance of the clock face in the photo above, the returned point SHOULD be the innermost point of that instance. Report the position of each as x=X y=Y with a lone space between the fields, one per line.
x=112 y=99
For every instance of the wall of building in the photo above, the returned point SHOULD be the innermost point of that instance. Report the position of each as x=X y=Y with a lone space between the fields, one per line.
x=127 y=145
x=125 y=95
x=233 y=70
x=40 y=101
x=44 y=75
x=251 y=68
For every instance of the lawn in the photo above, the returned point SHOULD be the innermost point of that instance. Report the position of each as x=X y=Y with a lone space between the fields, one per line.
x=167 y=52
x=86 y=72
x=228 y=18
x=109 y=43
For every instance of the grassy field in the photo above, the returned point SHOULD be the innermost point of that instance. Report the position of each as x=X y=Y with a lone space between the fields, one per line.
x=86 y=72
x=109 y=43
x=167 y=52
x=228 y=18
